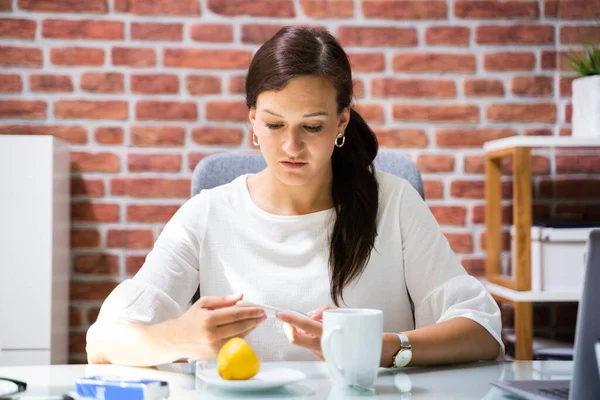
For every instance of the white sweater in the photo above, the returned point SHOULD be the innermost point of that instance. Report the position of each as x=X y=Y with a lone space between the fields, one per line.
x=222 y=241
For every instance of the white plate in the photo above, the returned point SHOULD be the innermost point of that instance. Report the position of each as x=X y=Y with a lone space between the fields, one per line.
x=267 y=378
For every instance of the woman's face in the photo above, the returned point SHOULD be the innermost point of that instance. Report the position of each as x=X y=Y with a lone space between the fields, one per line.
x=296 y=128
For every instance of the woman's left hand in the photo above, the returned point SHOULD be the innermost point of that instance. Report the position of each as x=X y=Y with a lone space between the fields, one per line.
x=305 y=332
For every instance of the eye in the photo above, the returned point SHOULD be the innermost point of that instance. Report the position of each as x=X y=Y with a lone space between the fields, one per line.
x=273 y=126
x=313 y=128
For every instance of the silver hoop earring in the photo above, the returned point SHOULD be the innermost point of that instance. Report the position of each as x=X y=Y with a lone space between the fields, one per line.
x=337 y=142
x=255 y=140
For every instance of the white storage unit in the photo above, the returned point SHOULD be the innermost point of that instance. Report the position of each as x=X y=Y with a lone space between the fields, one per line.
x=34 y=250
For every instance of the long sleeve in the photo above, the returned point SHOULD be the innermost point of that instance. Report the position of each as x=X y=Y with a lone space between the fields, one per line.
x=163 y=287
x=440 y=287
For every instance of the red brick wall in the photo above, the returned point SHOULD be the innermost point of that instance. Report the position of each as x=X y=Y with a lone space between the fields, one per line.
x=143 y=89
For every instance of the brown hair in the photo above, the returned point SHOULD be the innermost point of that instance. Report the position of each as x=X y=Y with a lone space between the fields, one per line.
x=294 y=52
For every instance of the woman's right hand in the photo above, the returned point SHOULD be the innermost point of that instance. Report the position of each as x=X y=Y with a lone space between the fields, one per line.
x=209 y=323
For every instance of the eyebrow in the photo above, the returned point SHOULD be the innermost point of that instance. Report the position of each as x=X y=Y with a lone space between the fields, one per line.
x=315 y=114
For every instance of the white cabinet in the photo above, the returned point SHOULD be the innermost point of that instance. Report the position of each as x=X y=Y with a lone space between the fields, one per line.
x=34 y=250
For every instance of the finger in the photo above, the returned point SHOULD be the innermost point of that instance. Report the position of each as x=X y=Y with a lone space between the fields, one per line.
x=224 y=316
x=214 y=302
x=307 y=325
x=236 y=328
x=302 y=339
x=318 y=313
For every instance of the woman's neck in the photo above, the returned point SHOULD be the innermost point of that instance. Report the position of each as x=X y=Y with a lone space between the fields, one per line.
x=275 y=197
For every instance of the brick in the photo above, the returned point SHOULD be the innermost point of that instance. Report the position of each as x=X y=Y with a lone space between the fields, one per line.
x=519 y=112
x=166 y=110
x=99 y=82
x=258 y=33
x=5 y=5
x=508 y=61
x=538 y=132
x=23 y=109
x=10 y=83
x=367 y=62
x=184 y=8
x=90 y=291
x=257 y=8
x=77 y=342
x=27 y=57
x=131 y=57
x=558 y=59
x=474 y=189
x=469 y=137
x=133 y=264
x=579 y=34
x=538 y=210
x=474 y=267
x=108 y=135
x=69 y=6
x=159 y=136
x=332 y=9
x=92 y=315
x=486 y=9
x=577 y=164
x=155 y=84
x=578 y=211
x=94 y=212
x=154 y=162
x=410 y=10
x=515 y=35
x=194 y=159
x=532 y=85
x=447 y=36
x=475 y=164
x=221 y=33
x=83 y=29
x=483 y=88
x=449 y=215
x=570 y=188
x=460 y=242
x=376 y=36
x=151 y=188
x=235 y=111
x=91 y=109
x=72 y=56
x=505 y=241
x=75 y=317
x=566 y=88
x=565 y=131
x=50 y=83
x=417 y=88
x=435 y=163
x=372 y=113
x=572 y=9
x=96 y=264
x=358 y=86
x=436 y=113
x=217 y=136
x=434 y=62
x=87 y=187
x=13 y=28
x=433 y=189
x=156 y=32
x=568 y=112
x=207 y=59
x=150 y=213
x=71 y=134
x=129 y=239
x=95 y=162
x=203 y=85
x=401 y=137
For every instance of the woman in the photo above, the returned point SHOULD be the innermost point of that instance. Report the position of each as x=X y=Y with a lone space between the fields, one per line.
x=319 y=227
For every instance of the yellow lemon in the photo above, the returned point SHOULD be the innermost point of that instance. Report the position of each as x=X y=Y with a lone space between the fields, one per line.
x=237 y=361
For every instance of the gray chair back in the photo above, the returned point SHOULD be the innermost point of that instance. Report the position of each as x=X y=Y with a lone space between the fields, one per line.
x=221 y=168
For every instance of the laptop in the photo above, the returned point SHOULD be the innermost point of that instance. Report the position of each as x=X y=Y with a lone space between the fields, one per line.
x=585 y=384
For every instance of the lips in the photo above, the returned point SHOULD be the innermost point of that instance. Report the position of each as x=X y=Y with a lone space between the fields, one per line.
x=293 y=163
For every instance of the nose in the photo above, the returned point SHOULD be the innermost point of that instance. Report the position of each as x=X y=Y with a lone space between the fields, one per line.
x=292 y=143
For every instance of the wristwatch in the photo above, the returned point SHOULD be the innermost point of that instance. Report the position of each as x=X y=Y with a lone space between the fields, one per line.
x=404 y=355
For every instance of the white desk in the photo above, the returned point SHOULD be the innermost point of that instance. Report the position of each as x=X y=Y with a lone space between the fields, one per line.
x=463 y=382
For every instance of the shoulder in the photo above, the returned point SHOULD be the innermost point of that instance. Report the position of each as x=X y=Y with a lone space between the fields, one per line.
x=391 y=185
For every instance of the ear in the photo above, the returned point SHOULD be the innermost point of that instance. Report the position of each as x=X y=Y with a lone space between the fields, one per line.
x=344 y=119
x=252 y=116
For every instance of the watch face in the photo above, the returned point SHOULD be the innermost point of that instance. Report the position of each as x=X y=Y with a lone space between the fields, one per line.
x=403 y=358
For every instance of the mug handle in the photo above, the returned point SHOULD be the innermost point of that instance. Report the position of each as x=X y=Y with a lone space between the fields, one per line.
x=336 y=370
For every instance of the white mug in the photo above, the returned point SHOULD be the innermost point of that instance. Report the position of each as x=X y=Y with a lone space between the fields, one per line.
x=351 y=345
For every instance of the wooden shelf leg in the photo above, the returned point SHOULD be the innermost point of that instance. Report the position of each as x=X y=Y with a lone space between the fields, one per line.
x=523 y=331
x=493 y=218
x=522 y=217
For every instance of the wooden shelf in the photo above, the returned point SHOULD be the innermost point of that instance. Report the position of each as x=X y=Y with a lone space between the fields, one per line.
x=518 y=296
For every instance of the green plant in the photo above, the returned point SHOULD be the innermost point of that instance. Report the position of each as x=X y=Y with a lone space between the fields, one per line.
x=588 y=62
